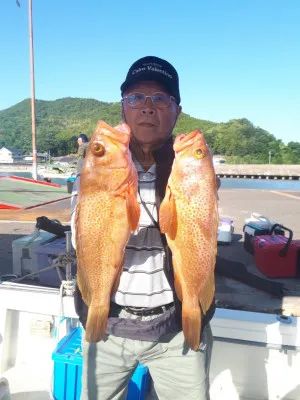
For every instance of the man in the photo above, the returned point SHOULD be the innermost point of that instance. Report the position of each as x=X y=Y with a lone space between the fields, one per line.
x=145 y=318
x=83 y=143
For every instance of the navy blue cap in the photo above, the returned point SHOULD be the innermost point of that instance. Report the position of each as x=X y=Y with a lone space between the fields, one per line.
x=156 y=69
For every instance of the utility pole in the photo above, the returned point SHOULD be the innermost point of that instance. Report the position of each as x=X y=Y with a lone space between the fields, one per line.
x=270 y=153
x=34 y=151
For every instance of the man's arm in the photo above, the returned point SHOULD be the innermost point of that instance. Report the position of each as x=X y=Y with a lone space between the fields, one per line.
x=81 y=151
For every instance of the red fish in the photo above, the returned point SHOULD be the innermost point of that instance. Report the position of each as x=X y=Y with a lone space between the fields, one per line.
x=189 y=217
x=106 y=213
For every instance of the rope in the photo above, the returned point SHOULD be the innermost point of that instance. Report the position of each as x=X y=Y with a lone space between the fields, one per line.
x=60 y=262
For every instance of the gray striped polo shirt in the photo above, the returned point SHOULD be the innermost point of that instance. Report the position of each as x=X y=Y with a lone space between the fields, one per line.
x=143 y=282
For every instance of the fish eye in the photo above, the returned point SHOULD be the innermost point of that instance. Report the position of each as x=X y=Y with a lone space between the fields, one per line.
x=199 y=153
x=99 y=149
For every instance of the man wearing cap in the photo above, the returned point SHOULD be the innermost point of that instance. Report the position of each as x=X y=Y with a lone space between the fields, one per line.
x=145 y=318
x=83 y=143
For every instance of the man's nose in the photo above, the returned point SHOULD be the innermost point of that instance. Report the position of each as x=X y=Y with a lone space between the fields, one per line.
x=148 y=108
x=148 y=111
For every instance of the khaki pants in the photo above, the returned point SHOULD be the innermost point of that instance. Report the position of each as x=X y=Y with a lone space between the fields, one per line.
x=178 y=373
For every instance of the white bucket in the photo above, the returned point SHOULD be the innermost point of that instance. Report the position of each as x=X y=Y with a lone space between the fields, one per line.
x=4 y=389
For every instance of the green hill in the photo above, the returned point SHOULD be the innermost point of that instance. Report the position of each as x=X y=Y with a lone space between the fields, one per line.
x=59 y=122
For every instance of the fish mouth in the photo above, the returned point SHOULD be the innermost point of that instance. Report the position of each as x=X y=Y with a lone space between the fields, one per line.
x=183 y=141
x=119 y=134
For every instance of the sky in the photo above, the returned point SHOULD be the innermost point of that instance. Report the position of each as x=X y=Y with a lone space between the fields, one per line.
x=235 y=58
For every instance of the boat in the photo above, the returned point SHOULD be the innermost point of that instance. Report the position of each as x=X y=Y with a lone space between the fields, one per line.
x=57 y=170
x=256 y=353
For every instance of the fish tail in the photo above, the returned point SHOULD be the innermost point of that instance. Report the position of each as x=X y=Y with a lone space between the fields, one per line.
x=191 y=324
x=96 y=323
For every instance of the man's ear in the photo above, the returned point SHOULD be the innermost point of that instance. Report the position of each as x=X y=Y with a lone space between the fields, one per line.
x=179 y=109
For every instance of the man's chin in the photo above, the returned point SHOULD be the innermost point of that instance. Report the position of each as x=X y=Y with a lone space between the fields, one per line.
x=153 y=145
x=149 y=139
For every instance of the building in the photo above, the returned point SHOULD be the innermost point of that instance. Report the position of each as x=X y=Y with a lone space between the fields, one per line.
x=41 y=157
x=10 y=155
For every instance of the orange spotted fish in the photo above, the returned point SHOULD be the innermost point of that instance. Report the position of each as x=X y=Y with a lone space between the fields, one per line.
x=189 y=217
x=106 y=213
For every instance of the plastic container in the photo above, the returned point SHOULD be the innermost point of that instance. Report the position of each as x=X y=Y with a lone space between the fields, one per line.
x=68 y=370
x=24 y=256
x=70 y=184
x=68 y=367
x=257 y=225
x=45 y=255
x=225 y=231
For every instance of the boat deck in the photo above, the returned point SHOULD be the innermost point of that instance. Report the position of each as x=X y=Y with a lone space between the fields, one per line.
x=237 y=204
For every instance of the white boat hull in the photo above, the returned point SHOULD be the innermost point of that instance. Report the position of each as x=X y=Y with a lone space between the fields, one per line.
x=255 y=355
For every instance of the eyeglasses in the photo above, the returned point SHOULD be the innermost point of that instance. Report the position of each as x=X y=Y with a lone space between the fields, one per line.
x=138 y=100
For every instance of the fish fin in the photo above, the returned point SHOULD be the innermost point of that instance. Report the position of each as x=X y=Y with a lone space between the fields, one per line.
x=96 y=322
x=191 y=325
x=83 y=287
x=168 y=215
x=177 y=283
x=118 y=277
x=82 y=280
x=207 y=296
x=133 y=209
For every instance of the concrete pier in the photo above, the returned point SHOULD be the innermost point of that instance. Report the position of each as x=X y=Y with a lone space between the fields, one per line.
x=258 y=171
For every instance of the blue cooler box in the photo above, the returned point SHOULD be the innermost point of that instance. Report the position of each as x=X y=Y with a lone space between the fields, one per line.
x=68 y=370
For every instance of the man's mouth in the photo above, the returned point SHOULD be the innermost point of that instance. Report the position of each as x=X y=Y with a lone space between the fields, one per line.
x=147 y=124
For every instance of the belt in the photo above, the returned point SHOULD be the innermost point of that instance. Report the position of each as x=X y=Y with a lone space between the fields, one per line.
x=147 y=311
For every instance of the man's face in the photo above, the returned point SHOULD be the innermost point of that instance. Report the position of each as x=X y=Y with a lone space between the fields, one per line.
x=79 y=141
x=149 y=124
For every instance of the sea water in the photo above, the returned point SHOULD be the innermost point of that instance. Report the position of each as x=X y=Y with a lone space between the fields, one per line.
x=226 y=183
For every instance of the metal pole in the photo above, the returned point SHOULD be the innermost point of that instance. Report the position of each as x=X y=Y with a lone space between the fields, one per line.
x=270 y=157
x=34 y=152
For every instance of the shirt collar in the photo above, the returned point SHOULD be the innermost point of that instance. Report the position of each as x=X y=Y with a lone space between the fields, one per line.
x=140 y=169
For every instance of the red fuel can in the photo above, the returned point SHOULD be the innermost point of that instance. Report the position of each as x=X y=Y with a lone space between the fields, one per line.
x=277 y=256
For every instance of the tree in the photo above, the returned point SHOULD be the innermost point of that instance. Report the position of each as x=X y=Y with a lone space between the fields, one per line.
x=59 y=122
